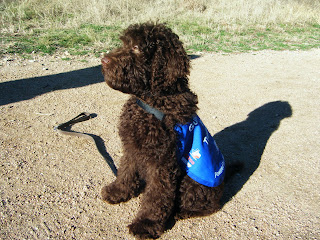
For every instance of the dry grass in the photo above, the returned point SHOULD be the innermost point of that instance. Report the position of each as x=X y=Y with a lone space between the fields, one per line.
x=20 y=15
x=214 y=16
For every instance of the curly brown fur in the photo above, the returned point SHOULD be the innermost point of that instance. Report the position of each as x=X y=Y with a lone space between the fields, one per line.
x=153 y=66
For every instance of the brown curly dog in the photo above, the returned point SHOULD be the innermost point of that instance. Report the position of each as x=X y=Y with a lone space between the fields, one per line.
x=153 y=67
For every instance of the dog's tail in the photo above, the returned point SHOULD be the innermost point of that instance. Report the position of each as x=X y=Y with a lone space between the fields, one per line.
x=233 y=169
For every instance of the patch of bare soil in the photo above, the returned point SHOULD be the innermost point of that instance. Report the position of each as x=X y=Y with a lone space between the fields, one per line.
x=263 y=109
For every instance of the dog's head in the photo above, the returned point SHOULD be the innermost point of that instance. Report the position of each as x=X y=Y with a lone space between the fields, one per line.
x=152 y=60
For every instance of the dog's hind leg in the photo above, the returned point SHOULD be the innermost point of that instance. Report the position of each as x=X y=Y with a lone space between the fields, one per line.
x=197 y=200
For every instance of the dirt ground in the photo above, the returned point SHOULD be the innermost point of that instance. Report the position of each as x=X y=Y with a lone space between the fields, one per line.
x=263 y=109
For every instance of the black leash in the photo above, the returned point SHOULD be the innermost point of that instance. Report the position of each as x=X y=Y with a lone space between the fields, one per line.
x=65 y=128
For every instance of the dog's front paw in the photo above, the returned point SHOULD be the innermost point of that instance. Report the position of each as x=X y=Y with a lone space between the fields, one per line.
x=145 y=228
x=113 y=194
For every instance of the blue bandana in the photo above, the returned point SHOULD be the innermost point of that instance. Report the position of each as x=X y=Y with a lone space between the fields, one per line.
x=198 y=153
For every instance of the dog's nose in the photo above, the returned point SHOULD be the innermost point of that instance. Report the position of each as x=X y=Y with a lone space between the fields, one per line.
x=105 y=60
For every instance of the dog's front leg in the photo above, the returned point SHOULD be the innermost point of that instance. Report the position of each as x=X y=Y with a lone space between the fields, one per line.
x=156 y=205
x=126 y=185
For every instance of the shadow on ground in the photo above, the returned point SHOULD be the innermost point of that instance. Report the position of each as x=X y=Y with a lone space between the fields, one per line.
x=245 y=141
x=24 y=89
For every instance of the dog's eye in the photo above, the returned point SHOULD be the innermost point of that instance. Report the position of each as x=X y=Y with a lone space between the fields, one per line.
x=136 y=49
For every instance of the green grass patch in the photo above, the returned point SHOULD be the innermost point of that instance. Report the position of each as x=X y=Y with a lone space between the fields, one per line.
x=252 y=38
x=84 y=40
x=94 y=39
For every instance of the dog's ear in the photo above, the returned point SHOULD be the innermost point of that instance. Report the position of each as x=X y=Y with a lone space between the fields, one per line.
x=170 y=61
x=178 y=62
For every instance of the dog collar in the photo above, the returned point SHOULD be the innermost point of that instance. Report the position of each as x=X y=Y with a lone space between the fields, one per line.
x=157 y=113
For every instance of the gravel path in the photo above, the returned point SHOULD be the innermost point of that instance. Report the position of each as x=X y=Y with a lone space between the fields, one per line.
x=263 y=109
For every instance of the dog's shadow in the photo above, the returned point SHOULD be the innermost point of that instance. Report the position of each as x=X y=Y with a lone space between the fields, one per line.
x=244 y=142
